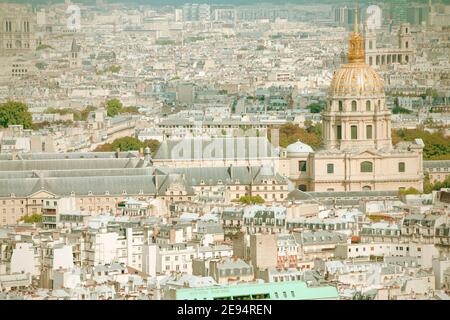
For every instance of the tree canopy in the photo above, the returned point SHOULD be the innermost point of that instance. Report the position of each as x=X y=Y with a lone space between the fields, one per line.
x=429 y=187
x=113 y=107
x=315 y=107
x=78 y=115
x=129 y=144
x=311 y=134
x=34 y=218
x=398 y=109
x=250 y=200
x=437 y=145
x=14 y=112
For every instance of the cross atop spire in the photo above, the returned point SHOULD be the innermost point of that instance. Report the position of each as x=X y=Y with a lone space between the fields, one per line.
x=355 y=20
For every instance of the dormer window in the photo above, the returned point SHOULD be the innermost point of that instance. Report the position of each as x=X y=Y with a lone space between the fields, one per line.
x=107 y=193
x=124 y=192
x=90 y=193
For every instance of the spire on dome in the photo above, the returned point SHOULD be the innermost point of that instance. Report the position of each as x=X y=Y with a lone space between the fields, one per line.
x=356 y=43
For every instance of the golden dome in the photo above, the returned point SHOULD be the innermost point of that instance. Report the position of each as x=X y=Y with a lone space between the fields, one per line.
x=356 y=77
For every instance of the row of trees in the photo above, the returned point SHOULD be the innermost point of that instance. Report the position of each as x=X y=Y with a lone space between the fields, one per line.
x=290 y=133
x=115 y=106
x=129 y=144
x=429 y=187
x=437 y=145
x=78 y=115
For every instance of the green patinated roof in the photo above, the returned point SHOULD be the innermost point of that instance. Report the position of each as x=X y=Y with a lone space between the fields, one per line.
x=295 y=290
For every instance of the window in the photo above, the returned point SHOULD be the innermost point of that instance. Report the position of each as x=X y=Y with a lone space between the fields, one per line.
x=353 y=106
x=354 y=132
x=368 y=107
x=369 y=131
x=340 y=106
x=366 y=166
x=330 y=168
x=302 y=187
x=401 y=167
x=339 y=132
x=302 y=166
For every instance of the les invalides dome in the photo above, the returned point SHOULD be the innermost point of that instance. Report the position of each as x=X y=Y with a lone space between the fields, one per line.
x=356 y=77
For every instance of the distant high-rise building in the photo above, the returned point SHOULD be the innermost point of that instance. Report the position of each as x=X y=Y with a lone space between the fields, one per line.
x=418 y=14
x=399 y=11
x=341 y=15
x=178 y=15
x=196 y=12
x=344 y=16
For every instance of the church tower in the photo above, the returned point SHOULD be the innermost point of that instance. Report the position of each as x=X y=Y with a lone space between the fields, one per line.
x=356 y=116
x=75 y=59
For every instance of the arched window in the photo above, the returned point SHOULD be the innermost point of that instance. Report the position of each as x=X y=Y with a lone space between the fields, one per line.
x=367 y=188
x=366 y=166
x=368 y=107
x=406 y=44
x=340 y=106
x=353 y=105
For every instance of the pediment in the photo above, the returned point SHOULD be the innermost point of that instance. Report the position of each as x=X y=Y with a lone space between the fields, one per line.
x=42 y=194
x=367 y=154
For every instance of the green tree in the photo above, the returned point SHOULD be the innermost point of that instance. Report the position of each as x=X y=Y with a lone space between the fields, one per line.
x=429 y=187
x=34 y=218
x=106 y=147
x=13 y=112
x=410 y=190
x=437 y=145
x=315 y=107
x=129 y=144
x=290 y=133
x=398 y=109
x=113 y=107
x=126 y=144
x=250 y=200
x=130 y=109
x=152 y=144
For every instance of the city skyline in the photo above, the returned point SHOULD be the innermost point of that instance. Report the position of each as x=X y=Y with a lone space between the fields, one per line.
x=240 y=152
